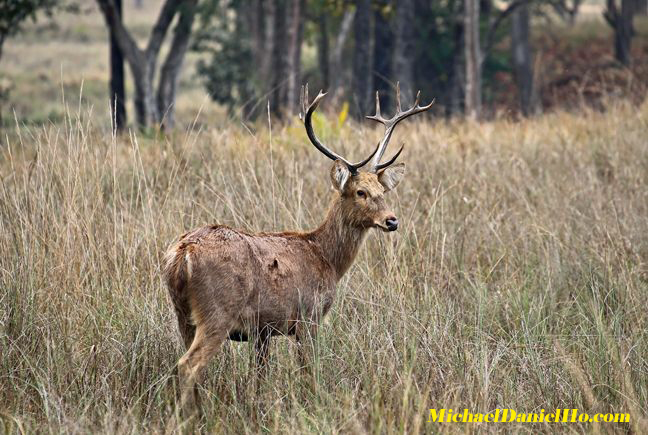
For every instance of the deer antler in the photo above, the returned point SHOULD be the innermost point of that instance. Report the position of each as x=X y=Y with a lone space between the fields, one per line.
x=306 y=115
x=390 y=124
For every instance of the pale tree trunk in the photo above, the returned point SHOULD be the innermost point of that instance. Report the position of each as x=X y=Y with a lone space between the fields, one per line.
x=336 y=57
x=323 y=50
x=293 y=64
x=457 y=71
x=472 y=59
x=522 y=58
x=170 y=72
x=475 y=52
x=361 y=79
x=403 y=69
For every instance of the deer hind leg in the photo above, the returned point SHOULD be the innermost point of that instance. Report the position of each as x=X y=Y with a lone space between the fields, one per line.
x=187 y=329
x=190 y=367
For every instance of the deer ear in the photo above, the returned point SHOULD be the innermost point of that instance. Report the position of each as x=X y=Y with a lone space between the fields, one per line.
x=339 y=175
x=391 y=176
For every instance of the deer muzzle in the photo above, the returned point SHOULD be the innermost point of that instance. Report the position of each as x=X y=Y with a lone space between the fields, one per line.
x=391 y=223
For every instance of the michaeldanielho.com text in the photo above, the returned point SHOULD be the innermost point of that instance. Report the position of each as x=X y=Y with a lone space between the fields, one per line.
x=444 y=415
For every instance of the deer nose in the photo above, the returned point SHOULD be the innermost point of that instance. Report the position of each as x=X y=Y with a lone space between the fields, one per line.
x=391 y=223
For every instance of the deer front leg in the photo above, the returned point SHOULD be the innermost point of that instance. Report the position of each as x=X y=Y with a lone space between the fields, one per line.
x=262 y=351
x=306 y=336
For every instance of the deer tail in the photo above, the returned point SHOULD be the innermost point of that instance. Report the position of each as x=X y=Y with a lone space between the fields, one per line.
x=177 y=273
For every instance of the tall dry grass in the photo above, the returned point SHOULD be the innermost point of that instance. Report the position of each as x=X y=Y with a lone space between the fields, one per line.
x=518 y=279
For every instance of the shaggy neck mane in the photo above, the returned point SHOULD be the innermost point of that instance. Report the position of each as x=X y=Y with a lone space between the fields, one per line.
x=338 y=238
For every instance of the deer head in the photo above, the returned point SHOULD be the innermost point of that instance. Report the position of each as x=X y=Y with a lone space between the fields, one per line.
x=362 y=193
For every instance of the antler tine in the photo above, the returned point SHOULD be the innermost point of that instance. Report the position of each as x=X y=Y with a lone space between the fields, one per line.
x=377 y=104
x=391 y=123
x=390 y=161
x=307 y=116
x=378 y=115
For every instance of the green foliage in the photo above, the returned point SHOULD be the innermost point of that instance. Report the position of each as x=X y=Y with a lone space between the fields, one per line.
x=14 y=12
x=438 y=42
x=228 y=74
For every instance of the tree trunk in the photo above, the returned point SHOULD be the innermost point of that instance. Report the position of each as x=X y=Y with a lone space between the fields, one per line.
x=623 y=32
x=117 y=88
x=338 y=49
x=255 y=25
x=642 y=7
x=382 y=56
x=621 y=22
x=293 y=64
x=361 y=80
x=323 y=50
x=145 y=108
x=404 y=49
x=473 y=59
x=142 y=62
x=522 y=59
x=457 y=72
x=266 y=73
x=170 y=73
x=279 y=59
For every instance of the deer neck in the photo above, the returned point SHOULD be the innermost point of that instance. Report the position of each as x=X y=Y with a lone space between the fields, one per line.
x=338 y=239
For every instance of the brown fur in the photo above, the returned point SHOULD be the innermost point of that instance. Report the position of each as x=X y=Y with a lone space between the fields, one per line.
x=226 y=283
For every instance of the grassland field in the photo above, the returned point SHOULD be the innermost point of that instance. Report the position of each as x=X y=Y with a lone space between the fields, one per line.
x=518 y=279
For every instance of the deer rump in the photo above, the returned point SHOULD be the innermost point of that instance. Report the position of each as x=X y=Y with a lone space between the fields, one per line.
x=242 y=284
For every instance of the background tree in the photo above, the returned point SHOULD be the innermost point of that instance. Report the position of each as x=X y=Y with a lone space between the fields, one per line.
x=348 y=18
x=117 y=82
x=620 y=19
x=14 y=12
x=148 y=109
x=361 y=83
x=473 y=59
x=361 y=46
x=567 y=9
x=295 y=27
x=404 y=48
x=522 y=58
x=383 y=52
x=236 y=69
x=478 y=47
x=255 y=54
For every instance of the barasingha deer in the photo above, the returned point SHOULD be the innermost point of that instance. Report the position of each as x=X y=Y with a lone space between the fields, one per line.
x=231 y=284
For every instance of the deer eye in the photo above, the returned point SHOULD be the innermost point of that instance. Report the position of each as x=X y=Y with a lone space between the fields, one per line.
x=361 y=193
